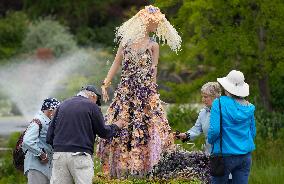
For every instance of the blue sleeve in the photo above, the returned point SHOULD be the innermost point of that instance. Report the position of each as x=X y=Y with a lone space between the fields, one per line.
x=196 y=130
x=31 y=139
x=253 y=128
x=214 y=125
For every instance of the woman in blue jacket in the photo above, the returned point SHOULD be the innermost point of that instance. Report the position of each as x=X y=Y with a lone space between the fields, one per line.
x=238 y=128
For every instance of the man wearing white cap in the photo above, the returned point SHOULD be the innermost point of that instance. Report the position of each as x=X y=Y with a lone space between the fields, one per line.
x=235 y=139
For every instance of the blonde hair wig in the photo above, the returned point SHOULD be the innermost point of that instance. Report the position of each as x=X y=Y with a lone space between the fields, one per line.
x=135 y=28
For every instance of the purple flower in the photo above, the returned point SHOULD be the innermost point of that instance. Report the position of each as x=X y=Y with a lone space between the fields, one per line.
x=152 y=10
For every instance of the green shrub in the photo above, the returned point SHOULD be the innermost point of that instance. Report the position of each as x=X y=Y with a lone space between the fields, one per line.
x=85 y=36
x=187 y=92
x=8 y=174
x=12 y=31
x=47 y=33
x=182 y=118
x=268 y=124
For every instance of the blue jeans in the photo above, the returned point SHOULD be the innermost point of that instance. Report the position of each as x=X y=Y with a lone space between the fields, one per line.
x=238 y=166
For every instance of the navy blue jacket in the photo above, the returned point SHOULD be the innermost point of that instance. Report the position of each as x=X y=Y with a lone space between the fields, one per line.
x=75 y=125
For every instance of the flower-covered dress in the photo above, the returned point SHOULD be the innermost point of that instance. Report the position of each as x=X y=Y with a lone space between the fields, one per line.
x=137 y=148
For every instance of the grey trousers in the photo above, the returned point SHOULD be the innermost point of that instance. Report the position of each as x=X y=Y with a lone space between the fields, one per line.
x=69 y=168
x=36 y=177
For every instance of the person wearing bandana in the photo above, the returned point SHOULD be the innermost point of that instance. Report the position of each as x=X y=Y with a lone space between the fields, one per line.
x=37 y=164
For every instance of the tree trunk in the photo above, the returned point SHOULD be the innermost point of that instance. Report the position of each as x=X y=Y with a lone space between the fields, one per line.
x=264 y=92
x=263 y=79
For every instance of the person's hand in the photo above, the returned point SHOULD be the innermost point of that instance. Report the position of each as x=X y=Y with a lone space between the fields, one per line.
x=182 y=136
x=105 y=95
x=43 y=158
x=176 y=134
x=121 y=123
x=179 y=135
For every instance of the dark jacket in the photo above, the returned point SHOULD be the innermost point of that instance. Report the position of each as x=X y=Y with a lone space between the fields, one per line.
x=75 y=125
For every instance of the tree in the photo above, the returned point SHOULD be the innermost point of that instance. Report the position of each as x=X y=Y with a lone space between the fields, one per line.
x=12 y=31
x=90 y=20
x=237 y=34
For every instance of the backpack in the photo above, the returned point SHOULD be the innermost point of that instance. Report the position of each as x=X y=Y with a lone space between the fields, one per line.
x=18 y=153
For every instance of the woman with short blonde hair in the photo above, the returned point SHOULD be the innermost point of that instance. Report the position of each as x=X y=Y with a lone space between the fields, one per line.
x=209 y=92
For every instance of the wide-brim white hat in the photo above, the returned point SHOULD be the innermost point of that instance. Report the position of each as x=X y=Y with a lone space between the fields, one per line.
x=235 y=84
